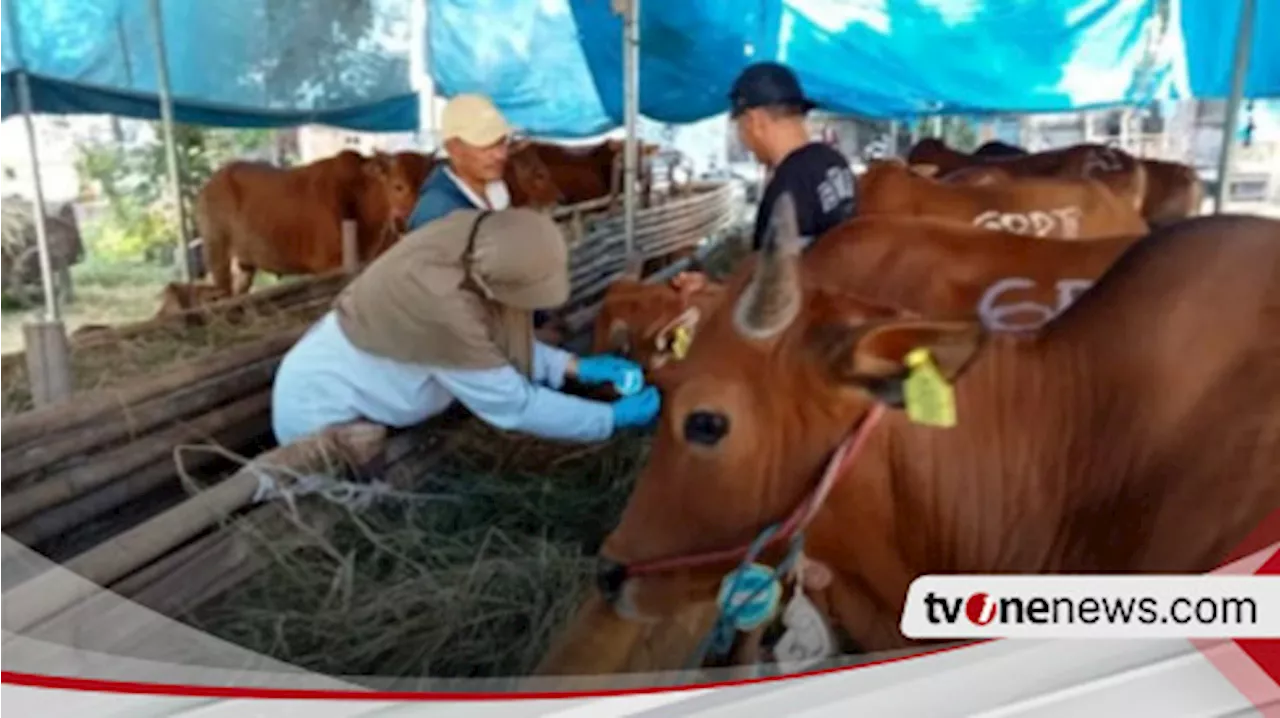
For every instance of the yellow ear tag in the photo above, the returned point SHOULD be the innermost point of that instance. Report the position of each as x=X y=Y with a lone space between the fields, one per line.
x=929 y=398
x=681 y=341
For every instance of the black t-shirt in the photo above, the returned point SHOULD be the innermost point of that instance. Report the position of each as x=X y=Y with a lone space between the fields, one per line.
x=821 y=185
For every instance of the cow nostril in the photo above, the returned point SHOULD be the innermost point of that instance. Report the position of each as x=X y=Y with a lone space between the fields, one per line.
x=610 y=575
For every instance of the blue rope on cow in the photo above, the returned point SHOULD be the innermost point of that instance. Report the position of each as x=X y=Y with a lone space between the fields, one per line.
x=719 y=639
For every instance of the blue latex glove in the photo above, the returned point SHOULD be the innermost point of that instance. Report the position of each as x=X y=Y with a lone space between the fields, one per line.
x=637 y=409
x=626 y=376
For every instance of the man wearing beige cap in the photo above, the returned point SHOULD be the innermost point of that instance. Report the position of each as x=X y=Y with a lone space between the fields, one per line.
x=475 y=136
x=445 y=315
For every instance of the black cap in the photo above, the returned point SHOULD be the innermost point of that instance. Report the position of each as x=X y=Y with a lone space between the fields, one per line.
x=767 y=83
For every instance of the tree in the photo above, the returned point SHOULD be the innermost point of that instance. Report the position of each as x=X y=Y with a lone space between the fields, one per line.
x=134 y=180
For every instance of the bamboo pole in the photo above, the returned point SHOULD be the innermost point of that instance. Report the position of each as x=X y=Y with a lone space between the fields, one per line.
x=83 y=576
x=100 y=405
x=102 y=469
x=184 y=579
x=201 y=397
x=59 y=519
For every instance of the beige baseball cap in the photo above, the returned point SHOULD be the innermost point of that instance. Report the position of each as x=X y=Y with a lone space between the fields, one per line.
x=474 y=120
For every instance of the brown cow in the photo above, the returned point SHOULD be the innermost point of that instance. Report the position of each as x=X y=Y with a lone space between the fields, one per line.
x=529 y=180
x=643 y=321
x=1010 y=282
x=527 y=177
x=416 y=167
x=1122 y=173
x=997 y=148
x=1107 y=442
x=1174 y=192
x=289 y=221
x=584 y=174
x=1037 y=206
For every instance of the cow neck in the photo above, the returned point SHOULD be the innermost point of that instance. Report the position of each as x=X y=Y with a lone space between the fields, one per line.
x=953 y=497
x=838 y=466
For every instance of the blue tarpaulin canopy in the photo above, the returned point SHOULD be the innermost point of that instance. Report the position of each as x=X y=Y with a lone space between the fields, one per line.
x=237 y=63
x=882 y=58
x=876 y=58
x=556 y=65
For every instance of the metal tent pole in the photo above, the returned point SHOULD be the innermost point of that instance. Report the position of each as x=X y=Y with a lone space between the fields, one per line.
x=52 y=312
x=170 y=148
x=48 y=356
x=422 y=67
x=1244 y=43
x=631 y=101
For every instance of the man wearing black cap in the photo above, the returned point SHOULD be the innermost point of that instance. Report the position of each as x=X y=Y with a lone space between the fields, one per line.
x=769 y=108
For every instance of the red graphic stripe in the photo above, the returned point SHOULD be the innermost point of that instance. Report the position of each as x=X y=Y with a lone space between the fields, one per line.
x=98 y=685
x=1265 y=652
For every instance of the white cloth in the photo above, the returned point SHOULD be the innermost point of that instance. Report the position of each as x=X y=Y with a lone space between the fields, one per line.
x=325 y=380
x=497 y=196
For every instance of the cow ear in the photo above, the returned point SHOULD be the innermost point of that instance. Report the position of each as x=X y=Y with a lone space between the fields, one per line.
x=676 y=336
x=874 y=357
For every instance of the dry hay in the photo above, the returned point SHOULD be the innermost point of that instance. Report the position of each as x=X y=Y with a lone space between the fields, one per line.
x=109 y=363
x=471 y=576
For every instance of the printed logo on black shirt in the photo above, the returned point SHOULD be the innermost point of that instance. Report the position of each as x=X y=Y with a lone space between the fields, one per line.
x=820 y=182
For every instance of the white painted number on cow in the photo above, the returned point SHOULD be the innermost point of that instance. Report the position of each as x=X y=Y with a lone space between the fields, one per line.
x=1000 y=317
x=1063 y=222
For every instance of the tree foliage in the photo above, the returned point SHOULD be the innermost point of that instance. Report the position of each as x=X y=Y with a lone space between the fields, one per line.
x=133 y=179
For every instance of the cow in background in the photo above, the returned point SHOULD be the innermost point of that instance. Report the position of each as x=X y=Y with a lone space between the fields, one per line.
x=1036 y=206
x=253 y=216
x=584 y=174
x=998 y=148
x=651 y=323
x=1169 y=191
x=1122 y=173
x=527 y=177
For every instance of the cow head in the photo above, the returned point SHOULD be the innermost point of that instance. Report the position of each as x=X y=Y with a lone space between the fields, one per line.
x=928 y=150
x=779 y=374
x=528 y=178
x=652 y=324
x=416 y=166
x=387 y=177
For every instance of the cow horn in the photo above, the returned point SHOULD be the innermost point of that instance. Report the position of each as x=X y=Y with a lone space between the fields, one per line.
x=772 y=298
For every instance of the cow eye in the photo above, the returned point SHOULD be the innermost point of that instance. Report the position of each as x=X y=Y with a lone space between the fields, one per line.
x=705 y=427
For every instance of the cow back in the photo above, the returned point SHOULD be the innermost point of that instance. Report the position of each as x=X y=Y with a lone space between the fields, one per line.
x=1035 y=206
x=288 y=220
x=948 y=270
